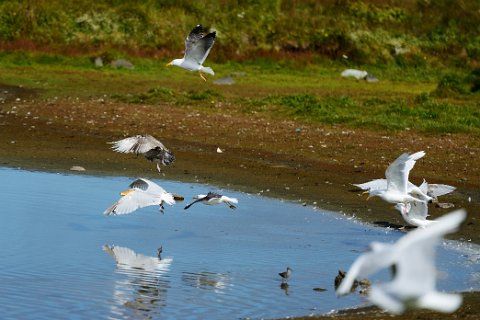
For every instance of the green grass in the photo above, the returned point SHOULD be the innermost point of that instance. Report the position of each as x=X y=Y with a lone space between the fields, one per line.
x=313 y=93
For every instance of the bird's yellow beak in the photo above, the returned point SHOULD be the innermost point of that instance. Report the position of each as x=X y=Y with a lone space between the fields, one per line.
x=168 y=64
x=124 y=193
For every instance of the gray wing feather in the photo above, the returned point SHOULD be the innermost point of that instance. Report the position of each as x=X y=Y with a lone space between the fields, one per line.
x=198 y=45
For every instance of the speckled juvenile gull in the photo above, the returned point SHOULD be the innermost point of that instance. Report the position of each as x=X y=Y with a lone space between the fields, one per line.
x=151 y=148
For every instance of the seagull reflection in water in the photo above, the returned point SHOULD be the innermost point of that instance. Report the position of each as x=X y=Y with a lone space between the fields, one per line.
x=216 y=282
x=145 y=287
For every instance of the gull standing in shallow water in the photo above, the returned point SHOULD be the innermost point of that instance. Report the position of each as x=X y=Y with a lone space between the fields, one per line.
x=142 y=193
x=151 y=148
x=212 y=199
x=413 y=283
x=197 y=48
x=415 y=213
x=397 y=181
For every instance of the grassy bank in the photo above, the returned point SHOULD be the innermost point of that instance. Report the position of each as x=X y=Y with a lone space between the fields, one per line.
x=403 y=99
x=391 y=32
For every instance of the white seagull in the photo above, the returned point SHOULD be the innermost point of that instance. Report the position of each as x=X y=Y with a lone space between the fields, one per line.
x=151 y=148
x=432 y=190
x=212 y=199
x=197 y=48
x=142 y=193
x=397 y=181
x=413 y=283
x=415 y=213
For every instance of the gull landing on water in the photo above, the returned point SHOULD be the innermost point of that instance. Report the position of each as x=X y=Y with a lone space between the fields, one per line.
x=414 y=280
x=212 y=199
x=151 y=148
x=142 y=193
x=197 y=48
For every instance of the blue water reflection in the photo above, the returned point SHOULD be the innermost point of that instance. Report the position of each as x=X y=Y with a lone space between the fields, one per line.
x=62 y=258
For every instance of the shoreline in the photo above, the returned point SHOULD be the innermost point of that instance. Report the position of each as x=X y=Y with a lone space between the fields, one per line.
x=315 y=166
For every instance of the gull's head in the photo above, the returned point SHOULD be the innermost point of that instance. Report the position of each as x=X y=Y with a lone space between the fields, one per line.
x=124 y=193
x=174 y=62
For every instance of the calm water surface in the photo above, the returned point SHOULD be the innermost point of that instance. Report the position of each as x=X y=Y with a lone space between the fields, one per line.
x=62 y=258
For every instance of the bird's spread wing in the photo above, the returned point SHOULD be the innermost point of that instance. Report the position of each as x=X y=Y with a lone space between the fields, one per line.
x=147 y=185
x=199 y=199
x=365 y=265
x=137 y=144
x=418 y=210
x=437 y=190
x=141 y=184
x=198 y=45
x=133 y=201
x=377 y=184
x=398 y=171
x=444 y=225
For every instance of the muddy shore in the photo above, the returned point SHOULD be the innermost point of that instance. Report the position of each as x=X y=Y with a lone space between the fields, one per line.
x=309 y=163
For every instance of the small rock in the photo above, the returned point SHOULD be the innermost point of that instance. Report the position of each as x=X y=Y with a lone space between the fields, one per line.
x=77 y=168
x=444 y=205
x=98 y=62
x=123 y=63
x=219 y=150
x=228 y=81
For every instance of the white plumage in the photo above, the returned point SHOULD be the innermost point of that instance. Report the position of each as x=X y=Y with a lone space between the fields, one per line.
x=397 y=189
x=414 y=281
x=127 y=259
x=197 y=48
x=423 y=191
x=212 y=199
x=415 y=213
x=142 y=193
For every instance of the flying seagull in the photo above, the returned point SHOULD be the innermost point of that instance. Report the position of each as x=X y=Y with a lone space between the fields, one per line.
x=142 y=193
x=397 y=181
x=212 y=199
x=151 y=148
x=432 y=190
x=197 y=48
x=413 y=283
x=415 y=213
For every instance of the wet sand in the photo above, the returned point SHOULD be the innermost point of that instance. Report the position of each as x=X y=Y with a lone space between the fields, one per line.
x=305 y=162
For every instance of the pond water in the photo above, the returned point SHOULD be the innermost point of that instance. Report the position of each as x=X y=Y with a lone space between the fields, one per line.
x=62 y=258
